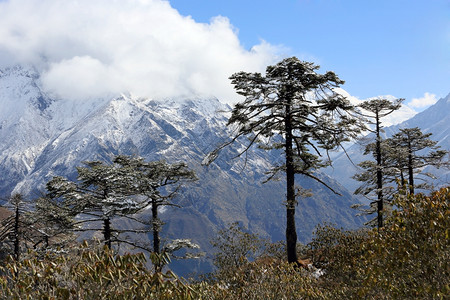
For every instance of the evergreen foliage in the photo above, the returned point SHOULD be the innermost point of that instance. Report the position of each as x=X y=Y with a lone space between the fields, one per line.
x=13 y=235
x=101 y=193
x=373 y=175
x=55 y=223
x=294 y=109
x=157 y=182
x=123 y=189
x=19 y=230
x=409 y=259
x=407 y=156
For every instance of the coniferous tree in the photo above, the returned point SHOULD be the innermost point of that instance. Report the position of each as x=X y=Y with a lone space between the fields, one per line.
x=407 y=156
x=55 y=223
x=374 y=176
x=294 y=109
x=16 y=230
x=123 y=189
x=156 y=183
x=100 y=194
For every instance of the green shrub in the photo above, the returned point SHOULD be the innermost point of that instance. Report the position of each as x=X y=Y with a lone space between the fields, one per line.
x=88 y=274
x=409 y=258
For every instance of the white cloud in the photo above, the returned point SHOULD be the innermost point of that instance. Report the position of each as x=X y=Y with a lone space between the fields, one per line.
x=91 y=48
x=427 y=100
x=402 y=114
x=81 y=77
x=399 y=116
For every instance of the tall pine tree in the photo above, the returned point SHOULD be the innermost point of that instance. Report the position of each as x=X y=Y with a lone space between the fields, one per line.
x=100 y=194
x=373 y=176
x=294 y=109
x=123 y=189
x=411 y=151
x=155 y=184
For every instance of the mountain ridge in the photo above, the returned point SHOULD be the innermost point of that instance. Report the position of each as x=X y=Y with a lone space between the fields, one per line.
x=58 y=135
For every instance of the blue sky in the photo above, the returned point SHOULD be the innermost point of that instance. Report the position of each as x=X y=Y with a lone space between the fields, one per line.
x=395 y=47
x=189 y=48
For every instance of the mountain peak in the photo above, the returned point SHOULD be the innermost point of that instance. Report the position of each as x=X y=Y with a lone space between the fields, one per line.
x=39 y=142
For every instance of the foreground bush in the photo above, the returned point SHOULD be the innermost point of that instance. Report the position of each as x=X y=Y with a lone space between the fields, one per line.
x=265 y=279
x=88 y=274
x=409 y=258
x=339 y=253
x=250 y=267
x=406 y=259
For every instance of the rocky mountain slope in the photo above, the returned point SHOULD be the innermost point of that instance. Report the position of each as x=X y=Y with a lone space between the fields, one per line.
x=42 y=136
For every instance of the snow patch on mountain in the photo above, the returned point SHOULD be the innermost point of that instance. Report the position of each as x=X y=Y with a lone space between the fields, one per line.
x=41 y=134
x=44 y=136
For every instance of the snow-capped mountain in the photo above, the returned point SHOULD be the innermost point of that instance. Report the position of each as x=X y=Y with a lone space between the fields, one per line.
x=435 y=120
x=42 y=136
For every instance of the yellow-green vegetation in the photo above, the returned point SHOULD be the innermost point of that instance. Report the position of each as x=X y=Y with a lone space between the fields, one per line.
x=409 y=259
x=265 y=279
x=406 y=259
x=89 y=274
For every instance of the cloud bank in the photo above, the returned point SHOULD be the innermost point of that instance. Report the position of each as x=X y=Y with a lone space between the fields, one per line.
x=86 y=49
x=427 y=100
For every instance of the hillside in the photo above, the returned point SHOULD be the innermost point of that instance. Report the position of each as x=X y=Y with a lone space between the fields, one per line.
x=43 y=137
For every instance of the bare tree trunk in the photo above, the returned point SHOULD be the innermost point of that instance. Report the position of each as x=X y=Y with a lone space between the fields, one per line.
x=156 y=239
x=107 y=232
x=410 y=172
x=402 y=178
x=379 y=175
x=156 y=228
x=16 y=231
x=291 y=232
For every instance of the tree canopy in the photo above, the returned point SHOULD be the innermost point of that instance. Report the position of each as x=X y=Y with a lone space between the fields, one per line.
x=373 y=177
x=295 y=110
x=410 y=151
x=121 y=189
